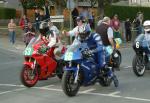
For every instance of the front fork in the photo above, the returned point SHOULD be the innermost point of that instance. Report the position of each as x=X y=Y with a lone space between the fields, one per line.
x=77 y=74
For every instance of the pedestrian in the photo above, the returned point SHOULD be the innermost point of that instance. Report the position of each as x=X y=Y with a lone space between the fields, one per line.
x=53 y=27
x=138 y=23
x=37 y=19
x=30 y=34
x=47 y=14
x=24 y=23
x=128 y=30
x=11 y=29
x=115 y=23
x=75 y=14
x=42 y=15
x=90 y=19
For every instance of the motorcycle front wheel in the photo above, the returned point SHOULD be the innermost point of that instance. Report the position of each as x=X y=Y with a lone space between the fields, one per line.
x=69 y=87
x=138 y=65
x=29 y=76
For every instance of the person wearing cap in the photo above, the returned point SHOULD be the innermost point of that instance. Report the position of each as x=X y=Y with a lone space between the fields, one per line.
x=80 y=24
x=115 y=23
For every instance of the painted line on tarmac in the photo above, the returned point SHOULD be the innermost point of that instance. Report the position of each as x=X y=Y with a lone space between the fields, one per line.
x=48 y=86
x=15 y=90
x=11 y=85
x=127 y=67
x=114 y=93
x=51 y=89
x=98 y=94
x=86 y=92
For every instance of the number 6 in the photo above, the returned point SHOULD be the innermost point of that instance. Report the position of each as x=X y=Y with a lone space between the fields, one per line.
x=137 y=45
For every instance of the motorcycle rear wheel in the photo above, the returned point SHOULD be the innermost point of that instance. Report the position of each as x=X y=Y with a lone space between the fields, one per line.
x=29 y=77
x=118 y=59
x=68 y=85
x=138 y=66
x=105 y=82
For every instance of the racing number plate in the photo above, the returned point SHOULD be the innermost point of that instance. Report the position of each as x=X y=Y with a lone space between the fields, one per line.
x=69 y=56
x=28 y=51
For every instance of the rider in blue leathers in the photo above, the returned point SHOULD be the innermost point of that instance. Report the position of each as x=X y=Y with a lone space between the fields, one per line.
x=82 y=32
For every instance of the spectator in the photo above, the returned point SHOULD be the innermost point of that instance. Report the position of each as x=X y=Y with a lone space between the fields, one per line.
x=37 y=19
x=42 y=15
x=24 y=23
x=53 y=27
x=90 y=19
x=84 y=13
x=47 y=14
x=11 y=29
x=30 y=33
x=93 y=22
x=138 y=23
x=115 y=23
x=128 y=29
x=75 y=14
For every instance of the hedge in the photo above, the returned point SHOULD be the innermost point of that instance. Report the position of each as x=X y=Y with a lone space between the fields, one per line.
x=7 y=13
x=127 y=11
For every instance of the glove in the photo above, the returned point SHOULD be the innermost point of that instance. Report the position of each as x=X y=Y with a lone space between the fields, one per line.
x=43 y=50
x=87 y=53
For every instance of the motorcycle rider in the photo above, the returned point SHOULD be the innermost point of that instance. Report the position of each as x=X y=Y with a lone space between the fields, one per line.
x=146 y=26
x=82 y=32
x=51 y=37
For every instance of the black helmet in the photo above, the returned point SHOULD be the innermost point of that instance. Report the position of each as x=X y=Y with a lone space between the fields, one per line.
x=80 y=18
x=43 y=28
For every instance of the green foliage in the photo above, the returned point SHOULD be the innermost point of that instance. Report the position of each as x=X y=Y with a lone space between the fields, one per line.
x=32 y=3
x=7 y=13
x=127 y=11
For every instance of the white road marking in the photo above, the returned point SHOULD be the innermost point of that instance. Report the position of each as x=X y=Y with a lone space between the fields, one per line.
x=127 y=67
x=83 y=92
x=15 y=90
x=48 y=86
x=138 y=99
x=11 y=85
x=89 y=90
x=52 y=89
x=114 y=93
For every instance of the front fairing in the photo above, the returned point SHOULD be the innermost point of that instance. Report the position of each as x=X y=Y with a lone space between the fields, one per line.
x=33 y=46
x=141 y=44
x=73 y=52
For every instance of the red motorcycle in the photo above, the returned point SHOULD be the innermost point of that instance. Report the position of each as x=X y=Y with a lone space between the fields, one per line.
x=40 y=66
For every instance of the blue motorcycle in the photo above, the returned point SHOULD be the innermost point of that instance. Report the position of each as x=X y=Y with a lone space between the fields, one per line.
x=141 y=60
x=82 y=70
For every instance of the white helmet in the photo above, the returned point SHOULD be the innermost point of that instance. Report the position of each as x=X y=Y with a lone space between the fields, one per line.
x=146 y=25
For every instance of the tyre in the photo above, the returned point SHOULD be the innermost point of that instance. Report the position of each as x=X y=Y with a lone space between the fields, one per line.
x=117 y=61
x=69 y=87
x=105 y=81
x=116 y=82
x=138 y=66
x=59 y=69
x=29 y=77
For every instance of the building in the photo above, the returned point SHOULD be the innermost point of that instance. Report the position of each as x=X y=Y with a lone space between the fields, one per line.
x=139 y=2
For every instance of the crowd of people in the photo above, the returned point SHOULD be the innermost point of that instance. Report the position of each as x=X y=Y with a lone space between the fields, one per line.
x=88 y=18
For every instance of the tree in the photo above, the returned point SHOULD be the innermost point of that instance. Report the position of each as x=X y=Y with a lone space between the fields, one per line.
x=27 y=4
x=102 y=4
